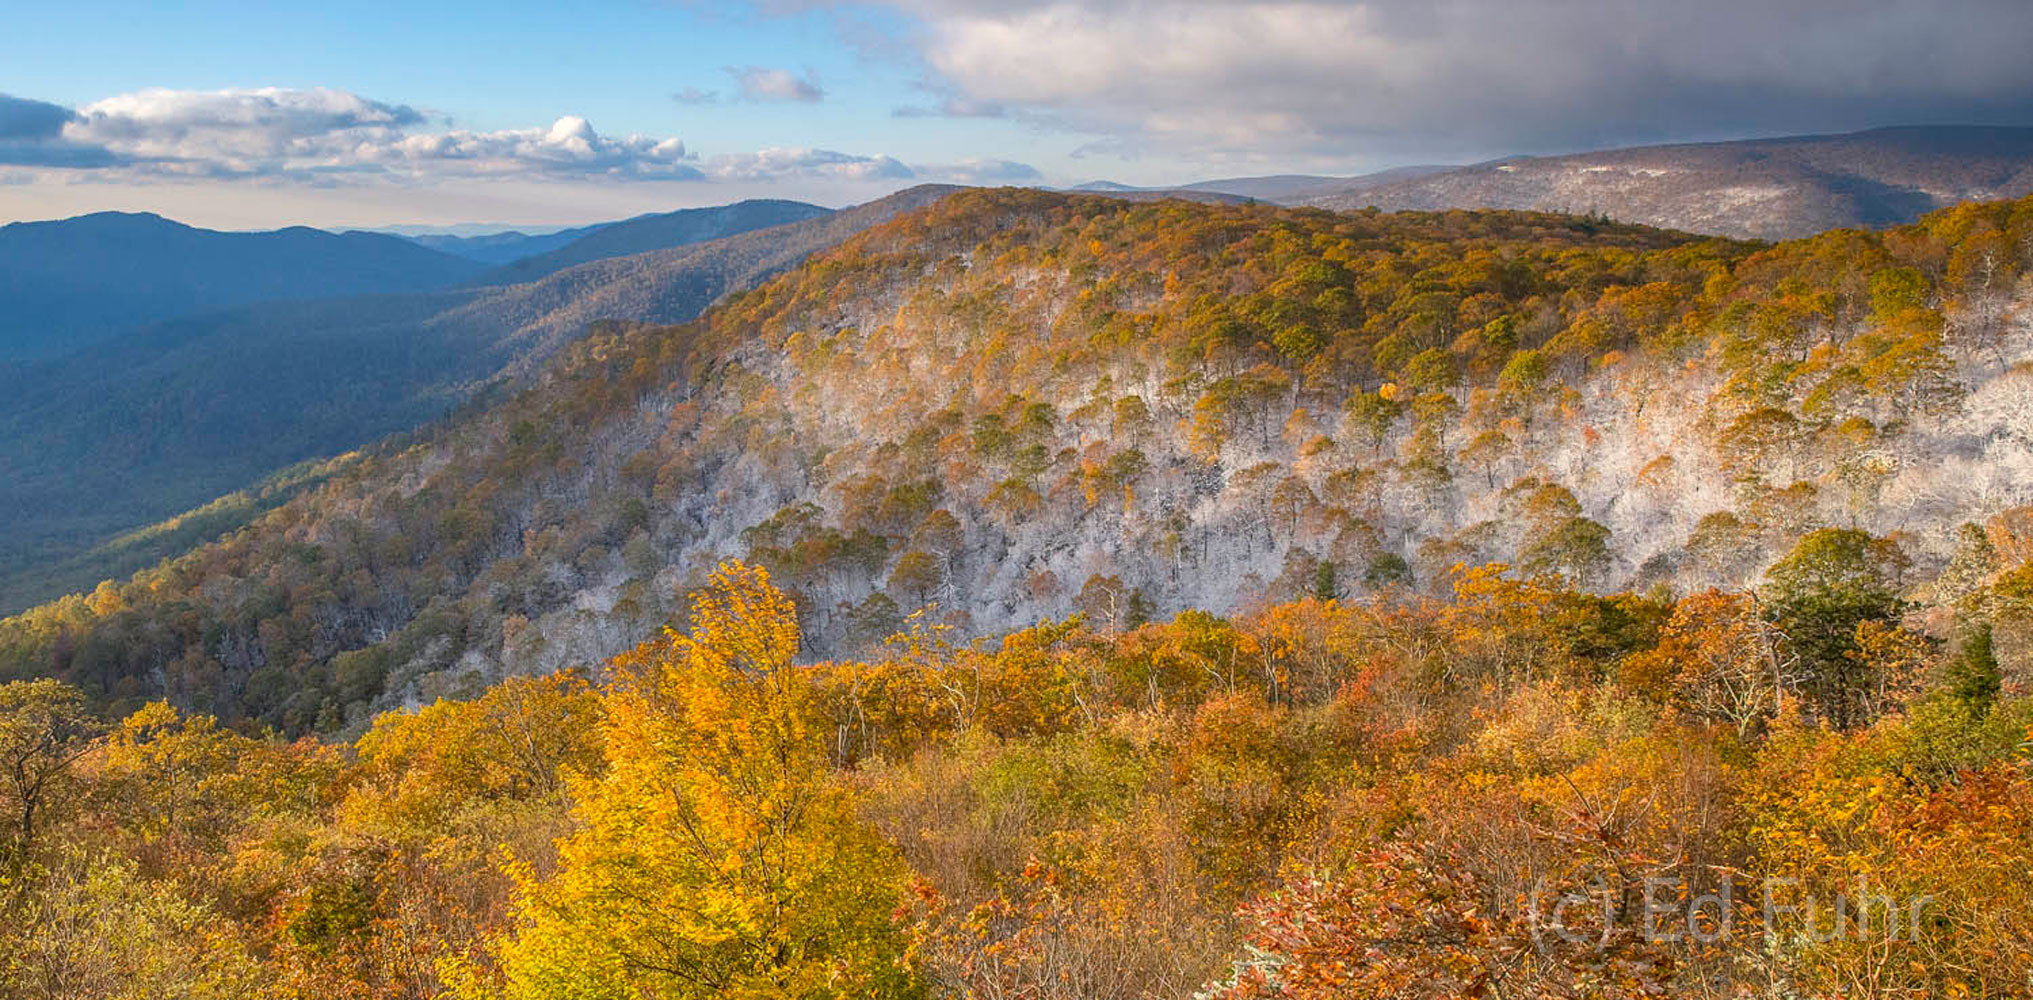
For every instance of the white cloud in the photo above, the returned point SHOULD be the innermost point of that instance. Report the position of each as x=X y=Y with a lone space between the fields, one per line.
x=277 y=131
x=981 y=172
x=238 y=131
x=759 y=83
x=326 y=136
x=806 y=163
x=569 y=147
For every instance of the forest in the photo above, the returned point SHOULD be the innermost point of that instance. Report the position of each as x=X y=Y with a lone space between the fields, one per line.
x=1020 y=405
x=1319 y=798
x=1049 y=596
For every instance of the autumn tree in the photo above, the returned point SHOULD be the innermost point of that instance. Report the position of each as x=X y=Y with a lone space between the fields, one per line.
x=718 y=856
x=1717 y=658
x=44 y=728
x=94 y=928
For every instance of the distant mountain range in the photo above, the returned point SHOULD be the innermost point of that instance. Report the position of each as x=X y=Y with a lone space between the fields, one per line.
x=1759 y=188
x=143 y=426
x=502 y=247
x=645 y=233
x=70 y=282
x=1282 y=189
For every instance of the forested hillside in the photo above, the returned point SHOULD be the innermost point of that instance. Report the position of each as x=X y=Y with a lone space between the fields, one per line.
x=1523 y=791
x=1014 y=405
x=1134 y=600
x=647 y=233
x=145 y=427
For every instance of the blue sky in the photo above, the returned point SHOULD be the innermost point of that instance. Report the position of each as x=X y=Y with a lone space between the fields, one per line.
x=375 y=113
x=495 y=65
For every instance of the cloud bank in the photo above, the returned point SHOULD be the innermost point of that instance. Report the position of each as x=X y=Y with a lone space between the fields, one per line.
x=1470 y=76
x=320 y=133
x=327 y=136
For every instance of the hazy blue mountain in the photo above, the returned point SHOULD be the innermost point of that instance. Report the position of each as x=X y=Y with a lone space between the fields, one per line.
x=645 y=233
x=68 y=283
x=502 y=247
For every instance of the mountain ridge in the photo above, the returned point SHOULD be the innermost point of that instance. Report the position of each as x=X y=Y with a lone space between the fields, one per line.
x=1015 y=404
x=71 y=282
x=1774 y=188
x=656 y=231
x=202 y=406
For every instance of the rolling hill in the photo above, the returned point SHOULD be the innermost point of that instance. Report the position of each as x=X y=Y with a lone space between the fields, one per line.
x=1010 y=405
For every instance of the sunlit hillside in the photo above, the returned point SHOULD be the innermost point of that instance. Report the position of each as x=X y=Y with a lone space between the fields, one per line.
x=1017 y=405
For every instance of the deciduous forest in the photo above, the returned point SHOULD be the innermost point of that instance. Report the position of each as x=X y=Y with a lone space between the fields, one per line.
x=1056 y=597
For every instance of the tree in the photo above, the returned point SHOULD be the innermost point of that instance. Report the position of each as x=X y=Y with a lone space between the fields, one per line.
x=1432 y=371
x=1486 y=449
x=1326 y=583
x=1419 y=921
x=1832 y=582
x=44 y=728
x=518 y=741
x=917 y=574
x=1973 y=678
x=718 y=857
x=1576 y=546
x=1523 y=375
x=92 y=928
x=1108 y=603
x=1717 y=658
x=1371 y=415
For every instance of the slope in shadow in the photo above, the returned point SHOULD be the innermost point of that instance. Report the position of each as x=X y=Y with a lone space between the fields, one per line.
x=165 y=419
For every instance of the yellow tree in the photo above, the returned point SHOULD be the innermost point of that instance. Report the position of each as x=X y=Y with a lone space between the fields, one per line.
x=718 y=857
x=44 y=728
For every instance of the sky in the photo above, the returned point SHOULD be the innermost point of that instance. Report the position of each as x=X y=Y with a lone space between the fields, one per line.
x=369 y=113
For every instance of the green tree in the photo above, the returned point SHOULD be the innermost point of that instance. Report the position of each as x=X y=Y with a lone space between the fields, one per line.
x=1575 y=546
x=1832 y=582
x=1973 y=678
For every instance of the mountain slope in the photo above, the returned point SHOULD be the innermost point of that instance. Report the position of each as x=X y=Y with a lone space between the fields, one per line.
x=147 y=425
x=1017 y=404
x=646 y=233
x=1760 y=188
x=74 y=281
